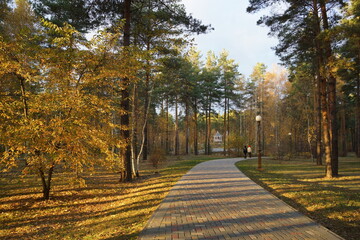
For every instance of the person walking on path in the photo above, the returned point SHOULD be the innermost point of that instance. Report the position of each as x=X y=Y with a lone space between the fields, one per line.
x=249 y=150
x=245 y=151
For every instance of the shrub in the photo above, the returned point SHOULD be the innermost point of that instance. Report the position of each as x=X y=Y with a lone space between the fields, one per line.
x=157 y=155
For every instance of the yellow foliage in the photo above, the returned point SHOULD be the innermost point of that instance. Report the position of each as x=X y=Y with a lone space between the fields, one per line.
x=62 y=99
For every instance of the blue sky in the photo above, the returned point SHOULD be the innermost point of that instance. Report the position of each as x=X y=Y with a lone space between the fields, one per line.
x=235 y=30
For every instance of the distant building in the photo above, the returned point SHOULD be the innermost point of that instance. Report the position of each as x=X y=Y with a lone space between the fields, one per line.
x=217 y=137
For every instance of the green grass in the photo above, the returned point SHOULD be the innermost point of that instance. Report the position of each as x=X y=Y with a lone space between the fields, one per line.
x=103 y=209
x=107 y=209
x=335 y=203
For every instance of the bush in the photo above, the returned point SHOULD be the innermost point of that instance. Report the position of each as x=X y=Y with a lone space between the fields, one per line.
x=157 y=155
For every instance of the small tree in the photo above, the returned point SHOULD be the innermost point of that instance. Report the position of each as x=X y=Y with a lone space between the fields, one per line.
x=157 y=155
x=60 y=110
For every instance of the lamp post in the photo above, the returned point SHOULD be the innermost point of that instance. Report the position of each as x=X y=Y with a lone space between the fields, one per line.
x=258 y=119
x=290 y=145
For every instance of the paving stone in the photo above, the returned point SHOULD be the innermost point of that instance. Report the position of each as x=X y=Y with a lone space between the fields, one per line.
x=214 y=200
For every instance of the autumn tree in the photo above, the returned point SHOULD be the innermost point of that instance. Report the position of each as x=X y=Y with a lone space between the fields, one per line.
x=59 y=112
x=292 y=27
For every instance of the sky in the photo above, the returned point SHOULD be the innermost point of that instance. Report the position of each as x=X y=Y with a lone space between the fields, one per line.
x=235 y=31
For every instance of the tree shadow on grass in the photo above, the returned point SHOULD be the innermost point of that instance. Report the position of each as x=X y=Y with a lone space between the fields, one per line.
x=325 y=189
x=104 y=197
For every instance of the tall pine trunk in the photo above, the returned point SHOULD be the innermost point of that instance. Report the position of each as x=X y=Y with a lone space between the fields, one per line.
x=134 y=148
x=318 y=65
x=206 y=128
x=325 y=124
x=225 y=122
x=125 y=99
x=357 y=116
x=187 y=128
x=196 y=151
x=167 y=141
x=209 y=130
x=147 y=96
x=331 y=96
x=176 y=127
x=225 y=117
x=228 y=124
x=319 y=124
x=343 y=152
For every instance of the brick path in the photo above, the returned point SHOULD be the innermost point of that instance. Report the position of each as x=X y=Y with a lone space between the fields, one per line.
x=215 y=200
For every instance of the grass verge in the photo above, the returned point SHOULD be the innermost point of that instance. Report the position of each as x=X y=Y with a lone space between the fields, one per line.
x=103 y=209
x=335 y=203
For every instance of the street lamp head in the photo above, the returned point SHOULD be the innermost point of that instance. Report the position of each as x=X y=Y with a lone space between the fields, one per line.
x=258 y=118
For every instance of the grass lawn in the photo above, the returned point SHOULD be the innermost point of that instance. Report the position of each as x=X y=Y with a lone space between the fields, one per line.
x=103 y=209
x=335 y=203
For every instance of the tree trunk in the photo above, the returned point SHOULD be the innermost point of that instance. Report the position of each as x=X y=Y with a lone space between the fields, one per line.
x=176 y=128
x=262 y=115
x=146 y=131
x=134 y=150
x=225 y=122
x=206 y=129
x=331 y=95
x=186 y=128
x=322 y=96
x=162 y=111
x=167 y=143
x=125 y=98
x=46 y=183
x=228 y=124
x=343 y=132
x=318 y=65
x=325 y=125
x=147 y=89
x=319 y=125
x=196 y=151
x=23 y=95
x=309 y=134
x=209 y=129
x=357 y=116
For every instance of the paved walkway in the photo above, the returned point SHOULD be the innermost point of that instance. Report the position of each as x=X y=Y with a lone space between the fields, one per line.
x=215 y=200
